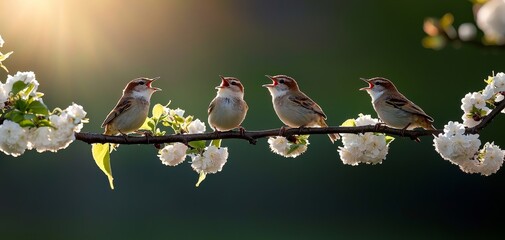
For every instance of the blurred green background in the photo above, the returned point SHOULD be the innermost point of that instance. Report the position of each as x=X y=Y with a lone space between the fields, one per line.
x=86 y=51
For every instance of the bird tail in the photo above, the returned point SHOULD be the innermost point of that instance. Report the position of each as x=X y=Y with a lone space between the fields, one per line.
x=333 y=136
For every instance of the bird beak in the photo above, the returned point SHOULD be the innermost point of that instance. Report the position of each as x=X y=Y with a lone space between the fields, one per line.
x=151 y=87
x=370 y=85
x=273 y=84
x=224 y=82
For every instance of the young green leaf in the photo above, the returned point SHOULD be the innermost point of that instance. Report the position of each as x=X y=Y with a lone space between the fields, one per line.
x=26 y=123
x=201 y=178
x=101 y=154
x=349 y=123
x=197 y=144
x=157 y=111
x=37 y=107
x=389 y=139
x=216 y=143
x=15 y=116
x=18 y=87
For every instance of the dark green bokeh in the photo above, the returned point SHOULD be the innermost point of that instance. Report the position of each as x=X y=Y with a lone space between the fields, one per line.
x=86 y=52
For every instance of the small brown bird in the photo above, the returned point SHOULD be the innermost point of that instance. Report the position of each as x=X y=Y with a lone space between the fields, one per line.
x=132 y=108
x=293 y=107
x=394 y=109
x=228 y=109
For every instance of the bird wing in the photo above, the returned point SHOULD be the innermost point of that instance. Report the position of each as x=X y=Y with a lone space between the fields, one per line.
x=122 y=105
x=211 y=106
x=304 y=101
x=407 y=106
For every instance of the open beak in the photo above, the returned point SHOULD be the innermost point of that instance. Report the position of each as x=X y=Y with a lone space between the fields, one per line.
x=370 y=85
x=151 y=81
x=273 y=84
x=224 y=82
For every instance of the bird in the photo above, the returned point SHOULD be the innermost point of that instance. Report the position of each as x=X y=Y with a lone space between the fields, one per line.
x=393 y=108
x=132 y=108
x=228 y=109
x=293 y=107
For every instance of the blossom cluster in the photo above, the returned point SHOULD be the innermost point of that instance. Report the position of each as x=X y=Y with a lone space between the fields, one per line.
x=463 y=150
x=27 y=124
x=204 y=160
x=476 y=105
x=369 y=148
x=282 y=146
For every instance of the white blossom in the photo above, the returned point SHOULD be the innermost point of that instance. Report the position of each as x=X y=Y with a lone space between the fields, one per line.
x=76 y=112
x=4 y=95
x=453 y=129
x=281 y=146
x=463 y=150
x=1 y=41
x=467 y=31
x=370 y=148
x=472 y=100
x=211 y=161
x=499 y=82
x=488 y=92
x=173 y=112
x=492 y=160
x=196 y=126
x=499 y=98
x=13 y=140
x=364 y=120
x=26 y=77
x=173 y=154
x=474 y=107
x=453 y=144
x=490 y=19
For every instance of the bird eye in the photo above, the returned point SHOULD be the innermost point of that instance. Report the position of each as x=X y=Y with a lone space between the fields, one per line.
x=281 y=81
x=233 y=83
x=142 y=83
x=377 y=83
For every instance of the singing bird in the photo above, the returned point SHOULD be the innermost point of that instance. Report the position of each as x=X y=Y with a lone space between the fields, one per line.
x=293 y=107
x=393 y=108
x=228 y=109
x=132 y=108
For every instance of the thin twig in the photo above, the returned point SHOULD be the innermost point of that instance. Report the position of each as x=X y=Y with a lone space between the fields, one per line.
x=252 y=136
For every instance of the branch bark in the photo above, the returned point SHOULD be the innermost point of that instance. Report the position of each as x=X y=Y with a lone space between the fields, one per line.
x=252 y=136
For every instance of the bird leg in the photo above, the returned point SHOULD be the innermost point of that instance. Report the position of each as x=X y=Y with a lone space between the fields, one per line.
x=241 y=130
x=125 y=136
x=404 y=129
x=377 y=126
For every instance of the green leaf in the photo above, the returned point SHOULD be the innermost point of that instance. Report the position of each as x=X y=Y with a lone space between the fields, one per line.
x=21 y=105
x=18 y=87
x=157 y=111
x=216 y=143
x=201 y=178
x=101 y=154
x=349 y=123
x=148 y=125
x=29 y=89
x=26 y=123
x=389 y=139
x=198 y=144
x=37 y=107
x=292 y=148
x=44 y=123
x=15 y=116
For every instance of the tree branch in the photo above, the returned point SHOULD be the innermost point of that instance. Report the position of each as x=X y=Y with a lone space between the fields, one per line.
x=252 y=136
